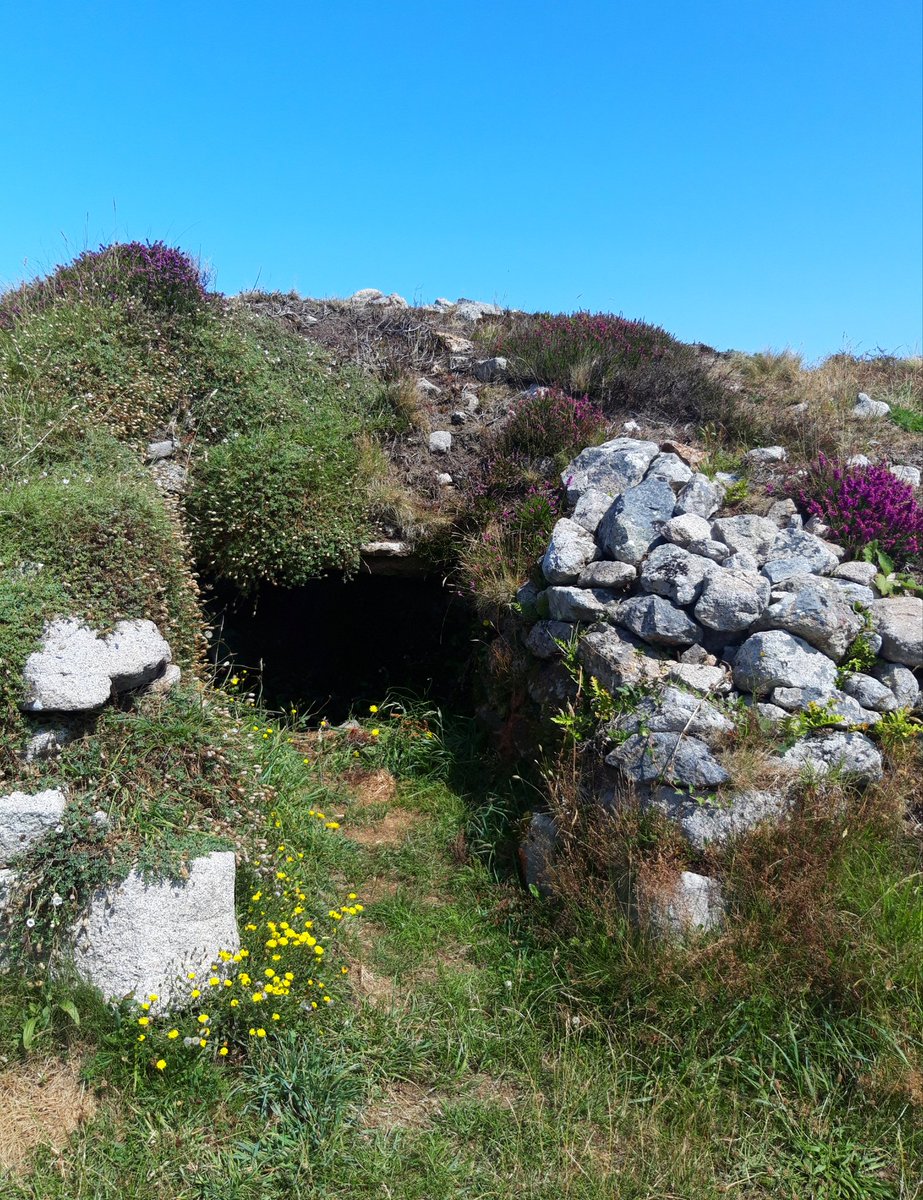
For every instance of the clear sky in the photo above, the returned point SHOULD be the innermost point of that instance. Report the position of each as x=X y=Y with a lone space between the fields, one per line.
x=746 y=173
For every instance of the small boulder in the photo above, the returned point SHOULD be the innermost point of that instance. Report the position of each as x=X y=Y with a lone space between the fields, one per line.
x=862 y=573
x=700 y=496
x=571 y=548
x=542 y=638
x=731 y=600
x=767 y=454
x=668 y=757
x=611 y=468
x=675 y=711
x=617 y=660
x=778 y=659
x=816 y=609
x=671 y=468
x=906 y=474
x=440 y=441
x=658 y=622
x=851 y=753
x=687 y=905
x=749 y=533
x=70 y=671
x=537 y=852
x=581 y=604
x=634 y=520
x=137 y=655
x=141 y=937
x=25 y=819
x=685 y=529
x=591 y=508
x=615 y=575
x=867 y=409
x=870 y=692
x=674 y=573
x=705 y=822
x=795 y=544
x=491 y=370
x=901 y=681
x=899 y=621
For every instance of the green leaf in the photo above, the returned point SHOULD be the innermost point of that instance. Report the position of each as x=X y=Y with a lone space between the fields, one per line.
x=886 y=562
x=69 y=1007
x=28 y=1033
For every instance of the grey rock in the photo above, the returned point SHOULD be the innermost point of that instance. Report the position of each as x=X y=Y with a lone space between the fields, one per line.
x=591 y=508
x=581 y=604
x=527 y=597
x=159 y=450
x=688 y=528
x=137 y=655
x=673 y=572
x=866 y=408
x=458 y=417
x=474 y=310
x=617 y=660
x=542 y=638
x=899 y=621
x=727 y=478
x=703 y=823
x=7 y=884
x=552 y=687
x=537 y=852
x=46 y=742
x=612 y=467
x=709 y=548
x=862 y=573
x=675 y=711
x=795 y=543
x=851 y=753
x=842 y=710
x=706 y=822
x=658 y=622
x=767 y=454
x=630 y=427
x=440 y=441
x=816 y=526
x=365 y=296
x=444 y=479
x=615 y=575
x=781 y=512
x=668 y=757
x=906 y=474
x=671 y=468
x=698 y=656
x=741 y=561
x=870 y=692
x=815 y=609
x=699 y=496
x=778 y=570
x=170 y=477
x=771 y=712
x=731 y=600
x=571 y=548
x=165 y=683
x=754 y=535
x=634 y=520
x=699 y=678
x=139 y=937
x=859 y=460
x=778 y=659
x=69 y=673
x=688 y=905
x=27 y=818
x=855 y=593
x=491 y=370
x=901 y=681
x=427 y=388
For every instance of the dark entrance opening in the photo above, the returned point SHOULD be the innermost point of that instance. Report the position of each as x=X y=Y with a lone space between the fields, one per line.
x=335 y=645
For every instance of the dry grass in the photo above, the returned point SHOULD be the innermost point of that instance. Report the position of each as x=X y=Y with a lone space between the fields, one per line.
x=43 y=1102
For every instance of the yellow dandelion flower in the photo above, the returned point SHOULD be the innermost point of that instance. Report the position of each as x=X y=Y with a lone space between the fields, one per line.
x=144 y=1021
x=223 y=1051
x=161 y=1064
x=141 y=1037
x=261 y=1033
x=174 y=1033
x=195 y=993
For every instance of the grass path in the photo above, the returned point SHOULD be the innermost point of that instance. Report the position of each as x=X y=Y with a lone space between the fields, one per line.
x=474 y=1059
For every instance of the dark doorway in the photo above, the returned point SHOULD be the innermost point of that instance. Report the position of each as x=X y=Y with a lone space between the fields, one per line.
x=336 y=645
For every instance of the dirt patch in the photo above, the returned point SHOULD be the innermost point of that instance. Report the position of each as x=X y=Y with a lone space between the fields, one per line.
x=403 y=1106
x=43 y=1103
x=391 y=830
x=371 y=787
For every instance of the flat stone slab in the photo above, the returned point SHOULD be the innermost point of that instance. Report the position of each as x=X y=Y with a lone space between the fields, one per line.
x=138 y=937
x=705 y=822
x=25 y=819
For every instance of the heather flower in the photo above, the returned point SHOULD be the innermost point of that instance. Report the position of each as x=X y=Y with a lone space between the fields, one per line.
x=862 y=504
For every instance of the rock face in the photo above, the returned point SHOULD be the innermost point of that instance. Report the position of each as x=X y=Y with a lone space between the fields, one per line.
x=26 y=819
x=899 y=621
x=138 y=938
x=77 y=671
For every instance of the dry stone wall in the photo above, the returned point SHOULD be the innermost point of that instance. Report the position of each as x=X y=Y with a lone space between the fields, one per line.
x=708 y=613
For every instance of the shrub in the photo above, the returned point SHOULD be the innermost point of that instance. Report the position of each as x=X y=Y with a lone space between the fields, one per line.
x=163 y=278
x=495 y=560
x=862 y=505
x=549 y=424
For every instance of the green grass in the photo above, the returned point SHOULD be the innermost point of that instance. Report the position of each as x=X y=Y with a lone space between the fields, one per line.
x=499 y=1052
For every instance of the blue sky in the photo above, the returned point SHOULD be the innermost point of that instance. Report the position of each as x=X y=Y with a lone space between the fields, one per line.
x=745 y=174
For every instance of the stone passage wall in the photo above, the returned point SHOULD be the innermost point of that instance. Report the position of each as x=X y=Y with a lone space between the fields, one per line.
x=702 y=609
